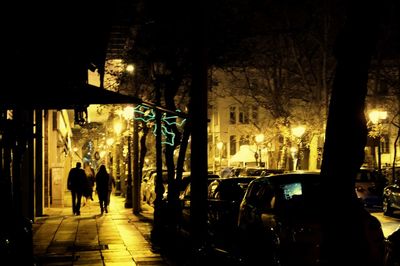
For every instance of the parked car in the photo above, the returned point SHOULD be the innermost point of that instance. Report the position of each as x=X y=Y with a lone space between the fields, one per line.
x=278 y=219
x=391 y=198
x=249 y=171
x=224 y=198
x=143 y=185
x=185 y=199
x=149 y=185
x=181 y=186
x=369 y=185
x=392 y=253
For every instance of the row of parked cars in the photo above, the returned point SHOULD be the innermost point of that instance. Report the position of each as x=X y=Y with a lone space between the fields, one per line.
x=373 y=190
x=275 y=214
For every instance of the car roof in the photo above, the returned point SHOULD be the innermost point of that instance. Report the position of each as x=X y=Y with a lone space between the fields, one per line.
x=235 y=179
x=287 y=177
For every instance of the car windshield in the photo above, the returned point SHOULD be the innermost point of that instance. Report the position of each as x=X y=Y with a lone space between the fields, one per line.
x=289 y=194
x=233 y=190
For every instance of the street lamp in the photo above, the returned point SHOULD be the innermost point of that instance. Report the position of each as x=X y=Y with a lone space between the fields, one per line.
x=294 y=152
x=128 y=115
x=220 y=145
x=298 y=132
x=259 y=140
x=118 y=130
x=375 y=116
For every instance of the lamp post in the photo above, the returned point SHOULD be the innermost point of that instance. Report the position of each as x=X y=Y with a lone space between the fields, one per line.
x=375 y=116
x=118 y=130
x=298 y=132
x=259 y=140
x=220 y=145
x=294 y=153
x=128 y=115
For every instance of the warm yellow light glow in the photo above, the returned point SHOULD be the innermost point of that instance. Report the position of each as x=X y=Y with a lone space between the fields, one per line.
x=259 y=138
x=293 y=149
x=118 y=127
x=376 y=115
x=130 y=68
x=298 y=131
x=102 y=154
x=127 y=113
x=110 y=141
x=75 y=149
x=220 y=145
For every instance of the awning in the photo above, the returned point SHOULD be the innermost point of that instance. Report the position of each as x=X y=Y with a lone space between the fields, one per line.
x=71 y=98
x=63 y=98
x=244 y=155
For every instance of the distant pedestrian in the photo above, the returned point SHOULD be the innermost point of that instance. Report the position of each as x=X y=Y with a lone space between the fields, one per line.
x=90 y=176
x=103 y=179
x=77 y=184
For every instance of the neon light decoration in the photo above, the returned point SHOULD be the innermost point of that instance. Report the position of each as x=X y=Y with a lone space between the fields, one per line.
x=148 y=115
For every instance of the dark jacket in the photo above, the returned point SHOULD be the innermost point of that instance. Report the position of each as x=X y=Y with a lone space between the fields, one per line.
x=102 y=180
x=77 y=180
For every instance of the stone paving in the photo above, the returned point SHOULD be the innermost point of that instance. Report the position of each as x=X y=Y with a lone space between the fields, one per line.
x=116 y=238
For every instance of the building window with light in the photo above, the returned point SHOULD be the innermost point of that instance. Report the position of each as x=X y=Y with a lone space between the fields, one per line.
x=385 y=143
x=232 y=115
x=232 y=145
x=243 y=115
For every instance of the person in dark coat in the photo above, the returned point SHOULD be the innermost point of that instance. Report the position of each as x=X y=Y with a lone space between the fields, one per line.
x=77 y=184
x=102 y=187
x=90 y=175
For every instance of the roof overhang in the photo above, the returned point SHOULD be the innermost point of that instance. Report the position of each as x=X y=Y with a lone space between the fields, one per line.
x=71 y=97
x=63 y=98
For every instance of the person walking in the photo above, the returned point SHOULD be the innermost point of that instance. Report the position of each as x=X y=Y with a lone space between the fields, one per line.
x=90 y=176
x=102 y=187
x=77 y=184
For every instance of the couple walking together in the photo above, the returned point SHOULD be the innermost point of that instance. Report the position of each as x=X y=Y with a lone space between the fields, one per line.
x=78 y=185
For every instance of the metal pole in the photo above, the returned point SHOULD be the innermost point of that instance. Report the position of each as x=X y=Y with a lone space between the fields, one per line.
x=379 y=155
x=136 y=178
x=128 y=199
x=220 y=160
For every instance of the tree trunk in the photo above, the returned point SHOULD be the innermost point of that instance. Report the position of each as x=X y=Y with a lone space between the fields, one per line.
x=354 y=238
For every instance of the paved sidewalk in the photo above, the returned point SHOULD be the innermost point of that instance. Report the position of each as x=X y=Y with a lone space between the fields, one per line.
x=114 y=238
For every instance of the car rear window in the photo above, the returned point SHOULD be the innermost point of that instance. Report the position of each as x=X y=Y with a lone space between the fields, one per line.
x=286 y=195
